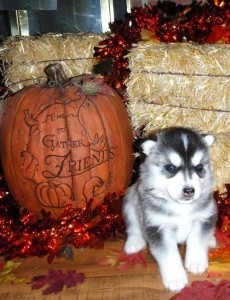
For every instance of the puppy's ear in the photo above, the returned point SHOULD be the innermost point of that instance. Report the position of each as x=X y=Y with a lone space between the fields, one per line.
x=209 y=139
x=147 y=146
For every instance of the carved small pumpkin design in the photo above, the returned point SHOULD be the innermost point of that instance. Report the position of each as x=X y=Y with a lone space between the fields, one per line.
x=65 y=143
x=53 y=194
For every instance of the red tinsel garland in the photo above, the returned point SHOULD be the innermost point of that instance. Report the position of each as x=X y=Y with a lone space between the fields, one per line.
x=223 y=203
x=169 y=23
x=22 y=235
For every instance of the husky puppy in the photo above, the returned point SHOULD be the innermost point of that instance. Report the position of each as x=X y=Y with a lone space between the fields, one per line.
x=172 y=203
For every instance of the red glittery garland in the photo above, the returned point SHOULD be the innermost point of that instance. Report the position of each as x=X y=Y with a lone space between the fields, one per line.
x=223 y=204
x=22 y=235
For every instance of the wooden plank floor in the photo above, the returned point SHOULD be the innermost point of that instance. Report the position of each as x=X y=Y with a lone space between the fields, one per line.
x=101 y=283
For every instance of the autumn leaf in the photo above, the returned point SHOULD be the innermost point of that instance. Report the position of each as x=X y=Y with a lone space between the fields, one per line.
x=6 y=274
x=56 y=280
x=123 y=261
x=223 y=237
x=147 y=35
x=218 y=268
x=220 y=254
x=220 y=257
x=205 y=290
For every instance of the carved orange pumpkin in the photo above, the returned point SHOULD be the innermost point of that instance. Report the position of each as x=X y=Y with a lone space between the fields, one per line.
x=60 y=146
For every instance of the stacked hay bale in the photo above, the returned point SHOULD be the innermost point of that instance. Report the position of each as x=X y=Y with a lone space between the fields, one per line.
x=183 y=85
x=25 y=58
x=169 y=84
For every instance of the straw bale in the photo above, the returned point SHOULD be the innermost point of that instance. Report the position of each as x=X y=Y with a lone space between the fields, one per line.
x=155 y=116
x=25 y=58
x=186 y=75
x=183 y=85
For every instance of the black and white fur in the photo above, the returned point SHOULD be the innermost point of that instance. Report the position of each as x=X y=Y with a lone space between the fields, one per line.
x=172 y=203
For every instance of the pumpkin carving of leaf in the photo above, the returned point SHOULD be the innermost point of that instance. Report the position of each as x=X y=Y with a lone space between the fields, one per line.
x=29 y=165
x=98 y=143
x=30 y=121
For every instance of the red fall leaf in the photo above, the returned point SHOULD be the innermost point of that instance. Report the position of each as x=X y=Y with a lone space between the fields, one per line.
x=202 y=290
x=56 y=280
x=123 y=261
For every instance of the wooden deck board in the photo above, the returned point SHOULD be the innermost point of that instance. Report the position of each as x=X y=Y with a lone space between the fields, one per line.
x=101 y=283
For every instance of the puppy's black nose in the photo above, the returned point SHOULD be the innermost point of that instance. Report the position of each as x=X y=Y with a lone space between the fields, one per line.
x=188 y=191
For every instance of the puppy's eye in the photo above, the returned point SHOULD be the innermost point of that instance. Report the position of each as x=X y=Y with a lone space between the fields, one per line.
x=171 y=168
x=199 y=168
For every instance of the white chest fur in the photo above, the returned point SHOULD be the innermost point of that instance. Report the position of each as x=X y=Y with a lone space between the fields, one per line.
x=179 y=223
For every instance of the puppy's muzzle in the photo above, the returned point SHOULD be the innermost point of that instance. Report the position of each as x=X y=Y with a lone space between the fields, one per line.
x=188 y=192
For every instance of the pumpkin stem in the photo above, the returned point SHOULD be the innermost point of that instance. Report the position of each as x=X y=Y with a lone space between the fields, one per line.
x=56 y=75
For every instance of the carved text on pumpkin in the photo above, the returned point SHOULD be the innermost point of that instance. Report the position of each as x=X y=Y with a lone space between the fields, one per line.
x=59 y=166
x=65 y=155
x=51 y=141
x=54 y=117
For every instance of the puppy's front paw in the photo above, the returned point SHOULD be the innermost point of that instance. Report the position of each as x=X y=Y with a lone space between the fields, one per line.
x=134 y=244
x=176 y=282
x=196 y=265
x=196 y=259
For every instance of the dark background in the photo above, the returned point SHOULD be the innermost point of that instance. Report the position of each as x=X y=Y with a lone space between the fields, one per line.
x=59 y=16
